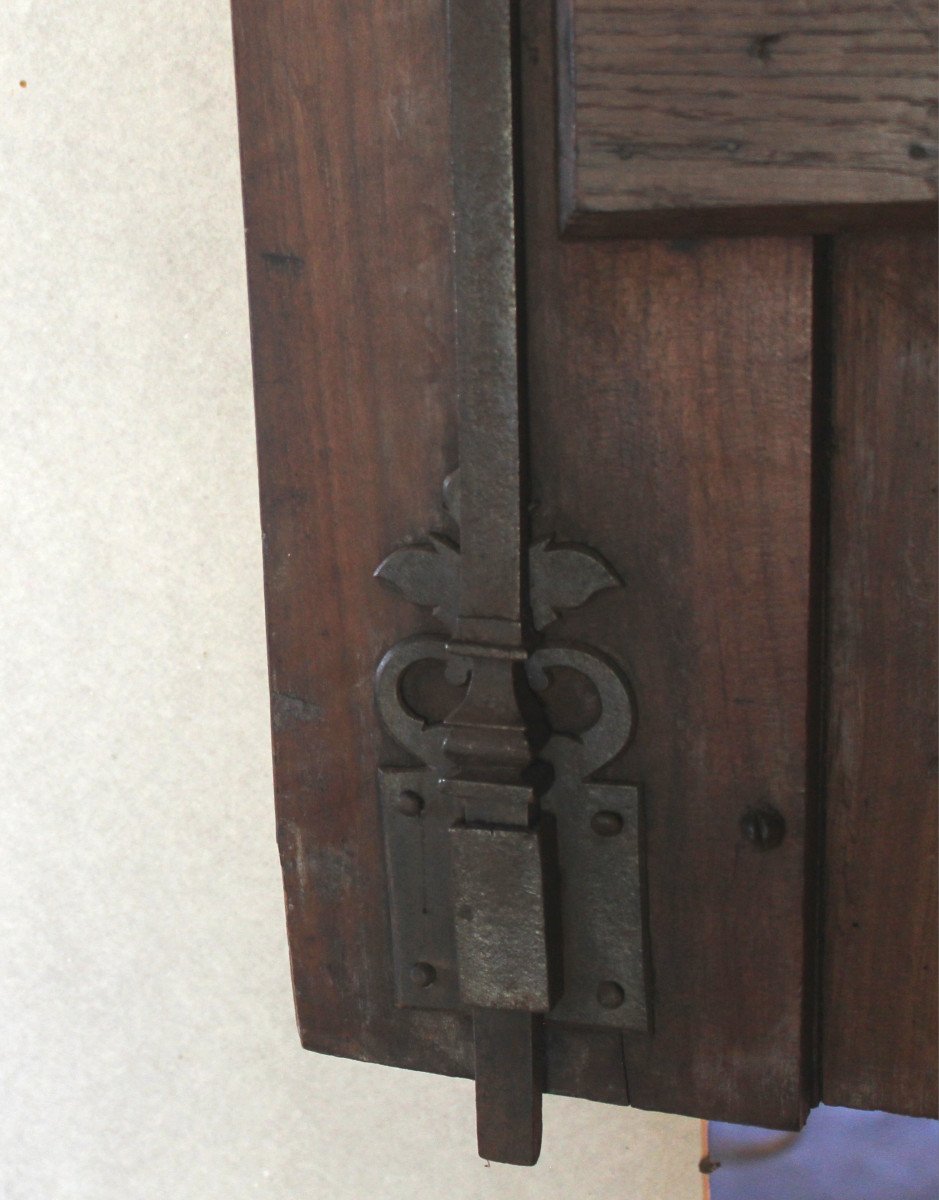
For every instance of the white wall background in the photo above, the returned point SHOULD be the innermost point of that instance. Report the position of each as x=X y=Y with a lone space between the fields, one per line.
x=148 y=1049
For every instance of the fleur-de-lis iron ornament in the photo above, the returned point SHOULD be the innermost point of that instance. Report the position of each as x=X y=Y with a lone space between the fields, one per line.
x=513 y=875
x=559 y=576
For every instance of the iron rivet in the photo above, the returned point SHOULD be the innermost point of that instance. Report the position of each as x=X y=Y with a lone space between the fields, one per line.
x=423 y=975
x=610 y=994
x=606 y=824
x=764 y=828
x=410 y=804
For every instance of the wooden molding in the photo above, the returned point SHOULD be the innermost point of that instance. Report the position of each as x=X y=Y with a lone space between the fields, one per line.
x=760 y=117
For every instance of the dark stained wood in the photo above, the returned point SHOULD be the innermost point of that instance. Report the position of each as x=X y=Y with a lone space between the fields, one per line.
x=346 y=169
x=670 y=397
x=880 y=972
x=670 y=410
x=746 y=115
x=346 y=182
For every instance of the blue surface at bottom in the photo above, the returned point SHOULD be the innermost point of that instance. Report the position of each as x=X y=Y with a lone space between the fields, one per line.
x=842 y=1154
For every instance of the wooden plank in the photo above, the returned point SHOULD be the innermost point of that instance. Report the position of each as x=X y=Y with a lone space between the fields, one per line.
x=746 y=115
x=670 y=409
x=880 y=970
x=343 y=118
x=346 y=173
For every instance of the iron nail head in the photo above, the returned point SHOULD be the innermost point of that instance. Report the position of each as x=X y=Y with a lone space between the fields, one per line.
x=423 y=975
x=610 y=994
x=606 y=824
x=410 y=804
x=764 y=828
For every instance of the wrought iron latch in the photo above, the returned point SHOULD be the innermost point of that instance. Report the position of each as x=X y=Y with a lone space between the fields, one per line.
x=514 y=876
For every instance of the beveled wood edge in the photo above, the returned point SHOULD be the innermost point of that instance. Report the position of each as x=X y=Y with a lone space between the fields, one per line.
x=577 y=221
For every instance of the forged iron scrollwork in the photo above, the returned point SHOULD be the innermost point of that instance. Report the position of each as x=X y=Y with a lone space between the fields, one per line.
x=560 y=576
x=478 y=846
x=466 y=835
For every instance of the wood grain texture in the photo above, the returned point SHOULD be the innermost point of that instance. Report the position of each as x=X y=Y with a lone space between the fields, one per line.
x=746 y=115
x=346 y=174
x=343 y=119
x=670 y=407
x=880 y=970
x=670 y=414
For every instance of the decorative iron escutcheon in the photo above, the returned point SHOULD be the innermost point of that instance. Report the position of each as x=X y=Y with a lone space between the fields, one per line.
x=507 y=897
x=514 y=875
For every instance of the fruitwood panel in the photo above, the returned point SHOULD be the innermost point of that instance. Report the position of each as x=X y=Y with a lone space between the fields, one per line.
x=746 y=114
x=879 y=1032
x=670 y=408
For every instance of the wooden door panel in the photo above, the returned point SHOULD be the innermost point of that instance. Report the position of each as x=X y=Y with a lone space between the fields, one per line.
x=671 y=417
x=697 y=489
x=879 y=1013
x=671 y=422
x=763 y=115
x=345 y=158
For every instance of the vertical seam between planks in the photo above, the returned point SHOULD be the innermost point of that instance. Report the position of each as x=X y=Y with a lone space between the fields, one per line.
x=823 y=384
